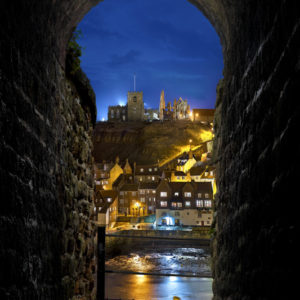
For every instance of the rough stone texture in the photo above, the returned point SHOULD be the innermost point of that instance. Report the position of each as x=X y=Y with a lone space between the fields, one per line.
x=256 y=152
x=257 y=119
x=46 y=248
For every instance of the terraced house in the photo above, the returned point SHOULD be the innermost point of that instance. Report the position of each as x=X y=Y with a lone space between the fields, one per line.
x=184 y=203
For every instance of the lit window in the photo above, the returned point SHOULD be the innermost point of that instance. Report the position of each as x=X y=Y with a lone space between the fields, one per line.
x=150 y=169
x=142 y=170
x=163 y=203
x=199 y=203
x=197 y=177
x=141 y=179
x=121 y=201
x=154 y=199
x=183 y=177
x=178 y=177
x=187 y=203
x=179 y=204
x=206 y=196
x=211 y=173
x=153 y=192
x=176 y=194
x=187 y=194
x=163 y=194
x=121 y=193
x=153 y=178
x=133 y=193
x=174 y=204
x=199 y=195
x=206 y=174
x=142 y=191
x=155 y=169
x=207 y=203
x=142 y=199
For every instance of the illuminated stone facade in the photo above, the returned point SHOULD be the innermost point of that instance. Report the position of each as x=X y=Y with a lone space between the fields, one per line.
x=135 y=106
x=179 y=111
x=117 y=113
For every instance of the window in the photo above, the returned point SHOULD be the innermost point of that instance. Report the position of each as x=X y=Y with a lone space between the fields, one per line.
x=197 y=177
x=206 y=196
x=187 y=203
x=142 y=199
x=179 y=204
x=163 y=203
x=188 y=194
x=199 y=203
x=154 y=199
x=206 y=174
x=178 y=177
x=141 y=179
x=142 y=170
x=183 y=177
x=134 y=99
x=133 y=193
x=149 y=177
x=176 y=194
x=155 y=169
x=142 y=191
x=163 y=194
x=199 y=195
x=109 y=200
x=177 y=213
x=187 y=213
x=121 y=201
x=207 y=203
x=153 y=192
x=174 y=204
x=153 y=178
x=199 y=214
x=211 y=173
x=121 y=193
x=150 y=169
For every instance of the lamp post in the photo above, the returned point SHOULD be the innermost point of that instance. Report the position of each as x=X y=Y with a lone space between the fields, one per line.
x=190 y=141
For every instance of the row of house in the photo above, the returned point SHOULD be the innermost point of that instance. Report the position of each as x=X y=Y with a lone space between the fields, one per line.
x=177 y=197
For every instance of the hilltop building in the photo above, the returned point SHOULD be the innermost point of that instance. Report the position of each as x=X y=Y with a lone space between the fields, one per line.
x=179 y=111
x=135 y=106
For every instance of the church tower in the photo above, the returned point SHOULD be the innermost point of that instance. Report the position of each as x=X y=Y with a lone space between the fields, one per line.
x=162 y=105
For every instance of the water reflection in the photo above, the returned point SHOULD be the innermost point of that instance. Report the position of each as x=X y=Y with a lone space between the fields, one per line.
x=144 y=287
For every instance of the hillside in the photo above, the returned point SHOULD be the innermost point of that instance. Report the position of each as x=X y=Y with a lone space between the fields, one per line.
x=147 y=142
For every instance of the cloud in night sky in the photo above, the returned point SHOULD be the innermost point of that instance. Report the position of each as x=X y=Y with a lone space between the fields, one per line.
x=169 y=44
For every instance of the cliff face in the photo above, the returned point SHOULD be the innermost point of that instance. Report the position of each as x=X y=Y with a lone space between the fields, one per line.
x=147 y=143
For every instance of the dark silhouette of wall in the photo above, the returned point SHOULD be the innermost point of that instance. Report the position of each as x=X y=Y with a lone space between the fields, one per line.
x=46 y=252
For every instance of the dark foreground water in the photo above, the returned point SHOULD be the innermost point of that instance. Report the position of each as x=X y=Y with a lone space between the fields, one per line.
x=146 y=287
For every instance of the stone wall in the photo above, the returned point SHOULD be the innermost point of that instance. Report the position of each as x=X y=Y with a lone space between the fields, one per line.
x=46 y=248
x=257 y=154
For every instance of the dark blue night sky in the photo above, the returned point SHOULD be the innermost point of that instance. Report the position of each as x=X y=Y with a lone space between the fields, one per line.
x=169 y=44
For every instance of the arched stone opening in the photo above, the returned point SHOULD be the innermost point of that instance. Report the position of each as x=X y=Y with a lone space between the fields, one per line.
x=41 y=166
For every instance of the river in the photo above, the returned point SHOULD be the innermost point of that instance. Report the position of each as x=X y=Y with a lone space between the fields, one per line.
x=148 y=287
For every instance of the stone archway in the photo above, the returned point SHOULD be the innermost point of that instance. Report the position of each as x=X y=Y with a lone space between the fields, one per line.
x=46 y=239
